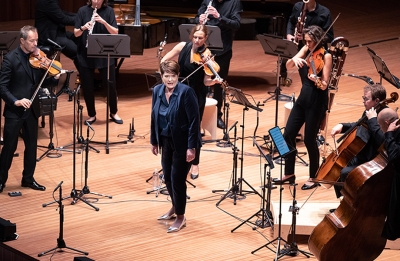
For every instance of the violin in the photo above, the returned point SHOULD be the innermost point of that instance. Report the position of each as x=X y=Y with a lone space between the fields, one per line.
x=315 y=65
x=203 y=56
x=39 y=60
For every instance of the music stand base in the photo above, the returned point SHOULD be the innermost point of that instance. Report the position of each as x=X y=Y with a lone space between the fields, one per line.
x=60 y=245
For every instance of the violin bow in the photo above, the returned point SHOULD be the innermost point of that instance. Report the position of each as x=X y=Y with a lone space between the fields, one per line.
x=198 y=68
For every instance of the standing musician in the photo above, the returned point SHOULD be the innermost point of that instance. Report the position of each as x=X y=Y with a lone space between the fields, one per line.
x=175 y=129
x=373 y=94
x=98 y=18
x=50 y=21
x=18 y=83
x=187 y=54
x=226 y=15
x=312 y=102
x=389 y=123
x=312 y=13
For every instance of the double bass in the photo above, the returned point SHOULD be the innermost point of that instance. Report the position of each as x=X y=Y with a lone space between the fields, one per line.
x=353 y=231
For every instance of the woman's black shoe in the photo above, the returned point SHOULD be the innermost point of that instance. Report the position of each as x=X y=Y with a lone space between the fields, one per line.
x=290 y=180
x=115 y=120
x=305 y=186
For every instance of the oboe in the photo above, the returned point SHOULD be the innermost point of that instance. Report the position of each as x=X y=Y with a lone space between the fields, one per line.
x=92 y=22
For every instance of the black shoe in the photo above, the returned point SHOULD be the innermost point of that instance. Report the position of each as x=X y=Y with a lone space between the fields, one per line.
x=220 y=123
x=115 y=120
x=306 y=187
x=194 y=176
x=332 y=210
x=290 y=180
x=90 y=122
x=34 y=185
x=2 y=186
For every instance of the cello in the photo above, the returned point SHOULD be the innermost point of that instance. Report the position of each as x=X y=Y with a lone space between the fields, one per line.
x=329 y=171
x=353 y=231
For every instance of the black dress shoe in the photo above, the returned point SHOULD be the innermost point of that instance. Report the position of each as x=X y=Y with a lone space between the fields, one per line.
x=220 y=123
x=194 y=176
x=2 y=186
x=305 y=186
x=115 y=120
x=332 y=210
x=90 y=122
x=282 y=181
x=34 y=185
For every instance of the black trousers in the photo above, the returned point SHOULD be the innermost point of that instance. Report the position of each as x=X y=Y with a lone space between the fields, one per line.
x=12 y=127
x=353 y=163
x=175 y=169
x=87 y=80
x=312 y=118
x=224 y=62
x=69 y=44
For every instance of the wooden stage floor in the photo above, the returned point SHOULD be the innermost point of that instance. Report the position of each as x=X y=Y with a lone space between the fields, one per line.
x=126 y=226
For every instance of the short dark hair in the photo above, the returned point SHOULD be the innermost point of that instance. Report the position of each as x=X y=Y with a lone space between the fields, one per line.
x=377 y=91
x=23 y=33
x=316 y=33
x=105 y=3
x=169 y=67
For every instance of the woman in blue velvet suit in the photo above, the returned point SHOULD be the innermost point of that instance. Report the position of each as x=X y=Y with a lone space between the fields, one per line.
x=175 y=125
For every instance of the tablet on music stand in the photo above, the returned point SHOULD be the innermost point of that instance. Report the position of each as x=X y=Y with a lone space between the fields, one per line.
x=214 y=41
x=279 y=142
x=383 y=70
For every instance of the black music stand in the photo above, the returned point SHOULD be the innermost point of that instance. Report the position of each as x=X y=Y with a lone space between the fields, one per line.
x=237 y=188
x=108 y=46
x=283 y=150
x=383 y=70
x=264 y=215
x=275 y=45
x=8 y=41
x=214 y=41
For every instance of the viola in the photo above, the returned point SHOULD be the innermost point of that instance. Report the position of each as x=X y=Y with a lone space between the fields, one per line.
x=315 y=65
x=39 y=60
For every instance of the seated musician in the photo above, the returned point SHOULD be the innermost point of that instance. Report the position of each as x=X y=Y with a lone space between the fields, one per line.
x=373 y=137
x=388 y=121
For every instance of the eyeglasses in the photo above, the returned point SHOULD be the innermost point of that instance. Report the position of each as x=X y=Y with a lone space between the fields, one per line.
x=365 y=98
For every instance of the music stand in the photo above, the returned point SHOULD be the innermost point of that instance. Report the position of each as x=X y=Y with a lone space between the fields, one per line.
x=275 y=45
x=110 y=46
x=283 y=150
x=8 y=41
x=237 y=188
x=214 y=41
x=383 y=70
x=264 y=211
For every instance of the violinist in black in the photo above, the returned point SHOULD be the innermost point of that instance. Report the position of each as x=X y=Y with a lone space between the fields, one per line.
x=315 y=14
x=186 y=51
x=312 y=102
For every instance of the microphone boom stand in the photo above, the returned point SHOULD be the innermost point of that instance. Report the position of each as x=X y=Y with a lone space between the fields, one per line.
x=60 y=240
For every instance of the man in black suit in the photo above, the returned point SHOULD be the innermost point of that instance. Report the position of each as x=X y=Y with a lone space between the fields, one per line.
x=50 y=22
x=18 y=82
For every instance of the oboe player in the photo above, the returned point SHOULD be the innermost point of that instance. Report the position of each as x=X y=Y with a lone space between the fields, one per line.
x=96 y=17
